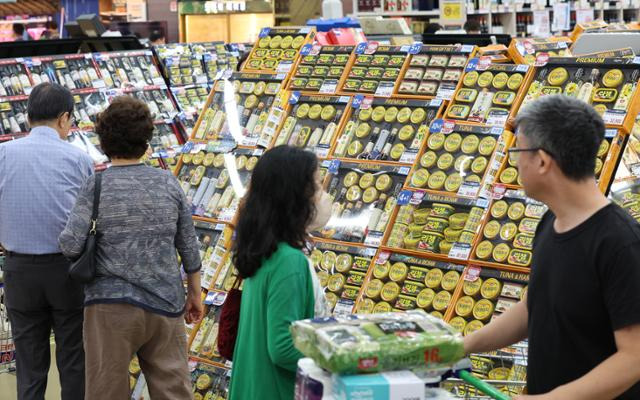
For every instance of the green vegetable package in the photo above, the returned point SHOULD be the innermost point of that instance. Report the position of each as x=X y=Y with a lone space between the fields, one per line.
x=378 y=342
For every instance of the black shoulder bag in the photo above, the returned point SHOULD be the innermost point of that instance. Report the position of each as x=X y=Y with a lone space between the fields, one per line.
x=83 y=269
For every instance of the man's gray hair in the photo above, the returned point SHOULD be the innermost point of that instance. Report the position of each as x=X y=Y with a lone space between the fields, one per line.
x=568 y=129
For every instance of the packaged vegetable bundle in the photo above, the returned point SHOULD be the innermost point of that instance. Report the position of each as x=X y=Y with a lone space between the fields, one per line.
x=378 y=342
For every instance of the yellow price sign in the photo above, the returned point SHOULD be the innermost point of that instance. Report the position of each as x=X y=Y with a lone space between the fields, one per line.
x=452 y=12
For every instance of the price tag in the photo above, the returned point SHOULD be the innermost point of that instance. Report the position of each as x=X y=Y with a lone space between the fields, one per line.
x=385 y=89
x=264 y=32
x=417 y=198
x=383 y=257
x=415 y=48
x=357 y=101
x=329 y=86
x=187 y=147
x=404 y=171
x=467 y=48
x=360 y=48
x=334 y=166
x=436 y=125
x=469 y=189
x=321 y=152
x=473 y=273
x=482 y=202
x=614 y=117
x=284 y=67
x=445 y=92
x=498 y=191
x=471 y=65
x=522 y=68
x=306 y=49
x=295 y=96
x=460 y=251
x=373 y=239
x=499 y=119
x=344 y=307
x=404 y=197
x=409 y=156
x=215 y=298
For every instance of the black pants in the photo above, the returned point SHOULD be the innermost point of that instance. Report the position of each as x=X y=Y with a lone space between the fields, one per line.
x=40 y=297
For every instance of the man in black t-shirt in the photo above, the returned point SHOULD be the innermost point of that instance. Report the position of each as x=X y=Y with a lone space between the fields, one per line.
x=582 y=314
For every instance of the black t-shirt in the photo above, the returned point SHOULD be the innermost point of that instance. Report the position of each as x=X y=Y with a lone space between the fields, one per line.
x=584 y=285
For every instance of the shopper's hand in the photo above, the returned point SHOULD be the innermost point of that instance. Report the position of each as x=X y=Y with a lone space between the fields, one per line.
x=193 y=309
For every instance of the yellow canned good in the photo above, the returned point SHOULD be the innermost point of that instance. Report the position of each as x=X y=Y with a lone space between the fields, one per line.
x=457 y=221
x=378 y=114
x=491 y=289
x=328 y=260
x=464 y=306
x=472 y=327
x=323 y=277
x=418 y=115
x=363 y=130
x=491 y=229
x=382 y=307
x=499 y=209
x=316 y=257
x=452 y=142
x=420 y=178
x=445 y=161
x=328 y=112
x=436 y=180
x=458 y=323
x=479 y=164
x=406 y=302
x=332 y=299
x=344 y=262
x=470 y=144
x=417 y=274
x=374 y=288
x=499 y=374
x=370 y=195
x=613 y=78
x=365 y=114
x=599 y=166
x=523 y=241
x=435 y=224
x=484 y=249
x=421 y=215
x=383 y=183
x=397 y=151
x=366 y=306
x=391 y=114
x=485 y=79
x=528 y=225
x=453 y=182
x=412 y=288
x=604 y=148
x=441 y=301
x=515 y=81
x=390 y=291
x=508 y=231
x=445 y=247
x=450 y=280
x=434 y=278
x=411 y=242
x=350 y=179
x=350 y=292
x=366 y=180
x=437 y=314
x=483 y=310
x=354 y=193
x=425 y=298
x=472 y=288
x=436 y=141
x=442 y=210
x=466 y=237
x=406 y=133
x=463 y=163
x=381 y=271
x=428 y=159
x=398 y=272
x=500 y=80
x=558 y=76
x=516 y=211
x=486 y=146
x=501 y=252
x=336 y=282
x=509 y=175
x=431 y=241
x=403 y=115
x=452 y=235
x=470 y=78
x=520 y=257
x=315 y=111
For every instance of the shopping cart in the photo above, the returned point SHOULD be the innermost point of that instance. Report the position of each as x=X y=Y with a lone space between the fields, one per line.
x=7 y=347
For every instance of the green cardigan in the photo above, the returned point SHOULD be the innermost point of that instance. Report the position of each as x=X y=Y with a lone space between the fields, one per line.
x=264 y=359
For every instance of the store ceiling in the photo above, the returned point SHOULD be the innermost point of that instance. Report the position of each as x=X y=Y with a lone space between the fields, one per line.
x=29 y=7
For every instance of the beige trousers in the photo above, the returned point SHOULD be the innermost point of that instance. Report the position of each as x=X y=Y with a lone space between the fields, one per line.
x=114 y=333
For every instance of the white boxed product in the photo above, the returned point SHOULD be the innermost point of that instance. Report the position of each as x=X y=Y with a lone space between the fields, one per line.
x=396 y=385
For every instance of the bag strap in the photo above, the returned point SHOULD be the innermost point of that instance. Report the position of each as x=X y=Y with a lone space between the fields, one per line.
x=96 y=203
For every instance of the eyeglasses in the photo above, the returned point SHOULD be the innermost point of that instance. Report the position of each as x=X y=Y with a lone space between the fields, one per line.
x=514 y=153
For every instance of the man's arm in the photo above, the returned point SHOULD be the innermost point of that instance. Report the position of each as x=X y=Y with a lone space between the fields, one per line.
x=509 y=328
x=611 y=378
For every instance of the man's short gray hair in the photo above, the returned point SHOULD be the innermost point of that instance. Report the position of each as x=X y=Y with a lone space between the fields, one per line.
x=570 y=130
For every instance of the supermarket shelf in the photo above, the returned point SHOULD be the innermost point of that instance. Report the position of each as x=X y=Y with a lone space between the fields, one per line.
x=432 y=13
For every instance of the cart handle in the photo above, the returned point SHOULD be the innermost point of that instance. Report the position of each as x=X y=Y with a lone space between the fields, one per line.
x=482 y=386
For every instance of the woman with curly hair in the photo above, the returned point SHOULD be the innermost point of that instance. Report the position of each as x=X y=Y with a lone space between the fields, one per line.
x=136 y=303
x=285 y=200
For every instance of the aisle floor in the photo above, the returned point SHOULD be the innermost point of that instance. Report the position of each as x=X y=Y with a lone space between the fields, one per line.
x=8 y=382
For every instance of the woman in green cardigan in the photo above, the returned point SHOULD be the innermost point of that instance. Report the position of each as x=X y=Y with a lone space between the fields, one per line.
x=285 y=200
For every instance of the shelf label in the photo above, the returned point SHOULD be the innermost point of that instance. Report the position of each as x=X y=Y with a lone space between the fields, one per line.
x=344 y=308
x=614 y=117
x=329 y=86
x=498 y=119
x=460 y=251
x=373 y=239
x=334 y=166
x=446 y=92
x=469 y=189
x=321 y=152
x=409 y=156
x=385 y=89
x=284 y=67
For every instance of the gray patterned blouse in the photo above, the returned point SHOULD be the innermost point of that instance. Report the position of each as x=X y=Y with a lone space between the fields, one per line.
x=143 y=218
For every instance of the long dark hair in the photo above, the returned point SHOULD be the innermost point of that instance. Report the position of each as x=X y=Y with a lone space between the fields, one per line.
x=278 y=207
